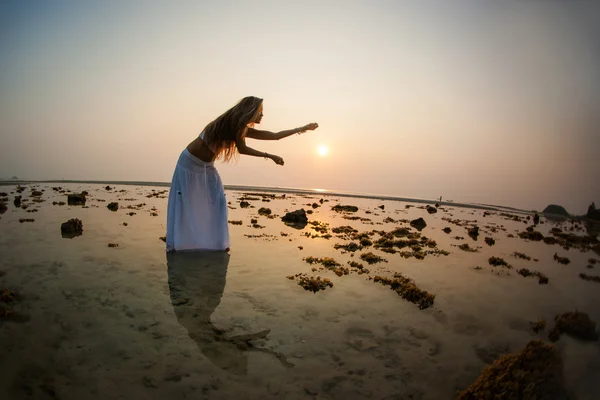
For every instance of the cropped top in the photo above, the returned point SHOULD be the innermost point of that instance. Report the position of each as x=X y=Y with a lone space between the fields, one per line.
x=211 y=147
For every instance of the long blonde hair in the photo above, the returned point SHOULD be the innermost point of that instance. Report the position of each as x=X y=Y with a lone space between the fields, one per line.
x=222 y=133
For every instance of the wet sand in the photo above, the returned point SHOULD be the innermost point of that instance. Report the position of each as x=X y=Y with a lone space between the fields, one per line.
x=93 y=321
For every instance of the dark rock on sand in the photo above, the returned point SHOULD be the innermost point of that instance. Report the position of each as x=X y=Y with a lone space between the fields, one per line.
x=340 y=208
x=535 y=372
x=76 y=199
x=474 y=232
x=71 y=228
x=113 y=206
x=447 y=230
x=17 y=201
x=3 y=208
x=536 y=219
x=244 y=204
x=490 y=241
x=554 y=209
x=264 y=211
x=418 y=223
x=36 y=193
x=431 y=210
x=576 y=324
x=593 y=212
x=296 y=219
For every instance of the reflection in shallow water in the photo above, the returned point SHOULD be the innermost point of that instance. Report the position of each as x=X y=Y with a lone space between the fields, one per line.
x=196 y=284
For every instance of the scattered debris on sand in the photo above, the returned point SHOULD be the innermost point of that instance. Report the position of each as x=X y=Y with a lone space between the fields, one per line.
x=542 y=279
x=296 y=219
x=113 y=206
x=561 y=260
x=344 y=209
x=71 y=228
x=407 y=289
x=113 y=245
x=350 y=247
x=576 y=324
x=327 y=262
x=21 y=220
x=590 y=278
x=536 y=372
x=490 y=241
x=76 y=199
x=235 y=222
x=311 y=283
x=521 y=256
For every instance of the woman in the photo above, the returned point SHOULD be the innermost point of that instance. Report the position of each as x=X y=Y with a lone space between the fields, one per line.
x=197 y=211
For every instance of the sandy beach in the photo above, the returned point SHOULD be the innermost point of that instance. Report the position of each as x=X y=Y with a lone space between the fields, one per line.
x=80 y=319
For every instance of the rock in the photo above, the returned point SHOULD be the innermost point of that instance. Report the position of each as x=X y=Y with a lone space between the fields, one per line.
x=340 y=208
x=418 y=223
x=296 y=219
x=244 y=204
x=71 y=228
x=17 y=201
x=474 y=232
x=556 y=210
x=76 y=199
x=36 y=193
x=382 y=206
x=113 y=206
x=536 y=219
x=535 y=372
x=593 y=213
x=3 y=208
x=576 y=324
x=264 y=211
x=447 y=230
x=431 y=210
x=490 y=241
x=108 y=188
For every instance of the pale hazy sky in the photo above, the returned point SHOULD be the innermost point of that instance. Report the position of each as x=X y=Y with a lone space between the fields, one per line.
x=478 y=101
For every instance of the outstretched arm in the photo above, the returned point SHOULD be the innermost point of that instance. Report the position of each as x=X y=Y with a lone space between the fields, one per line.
x=267 y=135
x=243 y=149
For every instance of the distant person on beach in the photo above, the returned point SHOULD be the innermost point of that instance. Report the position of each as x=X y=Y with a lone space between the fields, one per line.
x=197 y=210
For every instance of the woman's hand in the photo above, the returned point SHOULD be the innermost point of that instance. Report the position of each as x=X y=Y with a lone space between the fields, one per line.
x=276 y=159
x=309 y=127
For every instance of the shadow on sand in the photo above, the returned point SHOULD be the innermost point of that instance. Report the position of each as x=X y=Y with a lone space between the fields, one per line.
x=196 y=285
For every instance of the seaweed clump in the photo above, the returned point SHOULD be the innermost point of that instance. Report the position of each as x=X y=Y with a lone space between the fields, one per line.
x=576 y=324
x=498 y=262
x=531 y=235
x=542 y=279
x=532 y=373
x=371 y=258
x=561 y=260
x=407 y=289
x=311 y=283
x=340 y=208
x=591 y=278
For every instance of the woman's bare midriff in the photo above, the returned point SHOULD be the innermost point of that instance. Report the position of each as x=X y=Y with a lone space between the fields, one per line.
x=199 y=149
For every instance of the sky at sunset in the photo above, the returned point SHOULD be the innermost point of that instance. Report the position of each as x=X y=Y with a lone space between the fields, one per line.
x=476 y=101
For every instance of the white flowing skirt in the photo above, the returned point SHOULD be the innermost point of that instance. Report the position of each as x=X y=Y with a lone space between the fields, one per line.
x=197 y=210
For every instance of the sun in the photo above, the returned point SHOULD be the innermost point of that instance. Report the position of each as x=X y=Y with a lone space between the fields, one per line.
x=322 y=150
